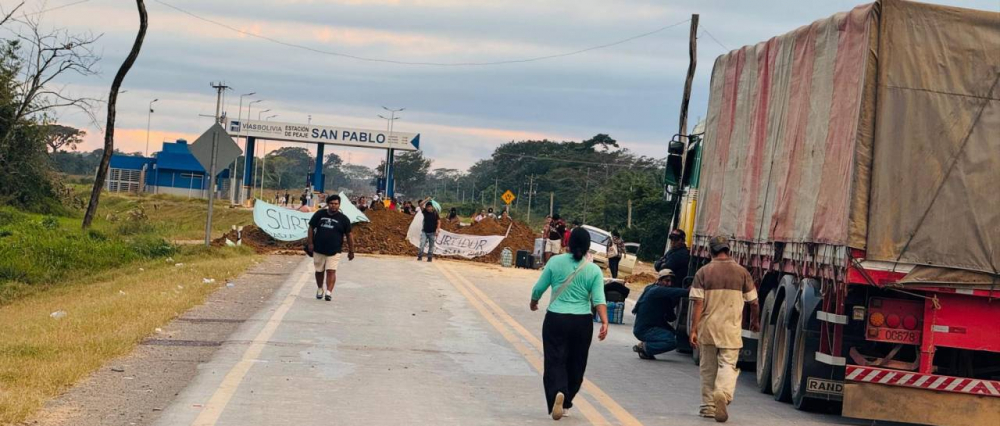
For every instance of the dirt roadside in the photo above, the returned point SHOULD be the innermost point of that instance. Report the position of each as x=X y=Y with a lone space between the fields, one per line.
x=132 y=390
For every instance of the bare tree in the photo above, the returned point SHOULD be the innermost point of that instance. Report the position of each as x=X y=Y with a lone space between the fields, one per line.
x=109 y=130
x=41 y=56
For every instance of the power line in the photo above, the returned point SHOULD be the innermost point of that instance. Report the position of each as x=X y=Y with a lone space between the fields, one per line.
x=57 y=8
x=626 y=165
x=397 y=62
x=705 y=30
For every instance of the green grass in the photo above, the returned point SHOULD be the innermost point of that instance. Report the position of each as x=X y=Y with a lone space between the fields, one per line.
x=38 y=252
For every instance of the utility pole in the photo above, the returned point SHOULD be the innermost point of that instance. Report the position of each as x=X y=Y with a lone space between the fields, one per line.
x=496 y=182
x=531 y=191
x=682 y=130
x=219 y=87
x=586 y=196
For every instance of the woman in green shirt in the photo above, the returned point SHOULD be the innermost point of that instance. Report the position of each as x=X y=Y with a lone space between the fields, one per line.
x=577 y=284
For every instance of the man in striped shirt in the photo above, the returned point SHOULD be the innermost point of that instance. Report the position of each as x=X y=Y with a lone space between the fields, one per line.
x=719 y=291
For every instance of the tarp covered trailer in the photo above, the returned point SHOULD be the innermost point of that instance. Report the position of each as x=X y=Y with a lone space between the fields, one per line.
x=855 y=165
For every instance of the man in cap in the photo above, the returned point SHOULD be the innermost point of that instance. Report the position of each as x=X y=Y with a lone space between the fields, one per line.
x=654 y=312
x=677 y=256
x=719 y=291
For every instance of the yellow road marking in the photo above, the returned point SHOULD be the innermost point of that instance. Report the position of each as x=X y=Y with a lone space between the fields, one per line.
x=531 y=356
x=210 y=414
x=623 y=416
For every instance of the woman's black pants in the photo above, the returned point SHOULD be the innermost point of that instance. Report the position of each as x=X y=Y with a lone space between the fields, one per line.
x=613 y=265
x=566 y=341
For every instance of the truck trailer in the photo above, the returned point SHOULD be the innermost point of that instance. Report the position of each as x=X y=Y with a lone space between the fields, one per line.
x=854 y=164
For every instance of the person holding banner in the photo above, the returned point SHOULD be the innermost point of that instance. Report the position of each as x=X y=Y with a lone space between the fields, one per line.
x=577 y=285
x=324 y=242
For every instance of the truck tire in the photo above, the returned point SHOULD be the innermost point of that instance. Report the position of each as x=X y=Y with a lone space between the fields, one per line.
x=781 y=357
x=803 y=365
x=765 y=345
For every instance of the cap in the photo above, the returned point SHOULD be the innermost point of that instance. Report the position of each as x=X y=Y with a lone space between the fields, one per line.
x=665 y=273
x=717 y=244
x=677 y=234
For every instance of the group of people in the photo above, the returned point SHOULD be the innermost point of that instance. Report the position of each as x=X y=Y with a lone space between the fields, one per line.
x=719 y=291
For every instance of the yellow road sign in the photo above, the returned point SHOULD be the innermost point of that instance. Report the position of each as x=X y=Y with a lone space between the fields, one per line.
x=508 y=197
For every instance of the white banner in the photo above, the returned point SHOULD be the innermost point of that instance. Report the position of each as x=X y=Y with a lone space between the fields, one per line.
x=451 y=244
x=331 y=135
x=285 y=224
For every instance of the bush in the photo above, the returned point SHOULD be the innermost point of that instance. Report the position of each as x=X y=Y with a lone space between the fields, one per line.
x=39 y=251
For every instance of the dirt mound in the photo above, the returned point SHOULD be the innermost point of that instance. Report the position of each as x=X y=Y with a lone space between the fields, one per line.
x=640 y=278
x=386 y=234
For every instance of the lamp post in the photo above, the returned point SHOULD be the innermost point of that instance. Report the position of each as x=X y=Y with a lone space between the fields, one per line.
x=263 y=156
x=232 y=180
x=391 y=119
x=149 y=118
x=249 y=111
x=268 y=118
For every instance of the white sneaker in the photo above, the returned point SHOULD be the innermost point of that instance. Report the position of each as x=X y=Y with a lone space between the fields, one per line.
x=319 y=293
x=557 y=406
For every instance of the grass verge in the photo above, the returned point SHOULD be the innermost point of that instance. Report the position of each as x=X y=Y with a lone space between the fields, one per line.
x=107 y=315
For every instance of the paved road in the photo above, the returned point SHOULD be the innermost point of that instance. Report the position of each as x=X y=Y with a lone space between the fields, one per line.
x=447 y=343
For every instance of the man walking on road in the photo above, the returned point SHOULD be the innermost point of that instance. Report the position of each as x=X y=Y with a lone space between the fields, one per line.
x=429 y=232
x=654 y=312
x=719 y=291
x=327 y=229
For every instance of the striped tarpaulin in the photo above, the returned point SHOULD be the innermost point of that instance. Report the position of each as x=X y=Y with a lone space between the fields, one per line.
x=781 y=133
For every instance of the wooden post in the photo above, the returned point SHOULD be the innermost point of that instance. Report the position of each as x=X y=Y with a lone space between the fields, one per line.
x=685 y=100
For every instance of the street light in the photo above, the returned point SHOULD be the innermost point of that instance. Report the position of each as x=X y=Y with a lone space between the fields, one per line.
x=392 y=117
x=261 y=112
x=232 y=180
x=270 y=117
x=149 y=118
x=249 y=110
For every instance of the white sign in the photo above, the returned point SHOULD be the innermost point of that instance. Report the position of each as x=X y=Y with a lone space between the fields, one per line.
x=451 y=244
x=331 y=135
x=285 y=224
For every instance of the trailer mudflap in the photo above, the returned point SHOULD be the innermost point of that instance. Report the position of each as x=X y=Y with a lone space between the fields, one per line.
x=873 y=401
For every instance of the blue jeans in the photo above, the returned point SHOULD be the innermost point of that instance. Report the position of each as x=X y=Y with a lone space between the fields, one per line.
x=427 y=238
x=657 y=340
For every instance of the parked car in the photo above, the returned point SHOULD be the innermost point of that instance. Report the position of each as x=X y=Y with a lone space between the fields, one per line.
x=599 y=240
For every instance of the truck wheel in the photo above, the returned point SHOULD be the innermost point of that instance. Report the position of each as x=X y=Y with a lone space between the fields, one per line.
x=803 y=365
x=782 y=355
x=765 y=345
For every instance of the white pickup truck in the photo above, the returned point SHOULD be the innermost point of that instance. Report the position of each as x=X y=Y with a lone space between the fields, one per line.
x=599 y=240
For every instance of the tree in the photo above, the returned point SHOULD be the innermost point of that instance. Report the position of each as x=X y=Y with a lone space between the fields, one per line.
x=109 y=131
x=32 y=61
x=59 y=137
x=287 y=168
x=410 y=172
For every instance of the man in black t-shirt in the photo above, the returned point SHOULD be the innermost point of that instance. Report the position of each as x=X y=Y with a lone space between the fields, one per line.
x=429 y=231
x=554 y=231
x=327 y=230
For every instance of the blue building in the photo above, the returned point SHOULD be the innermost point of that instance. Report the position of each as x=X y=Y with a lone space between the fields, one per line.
x=171 y=171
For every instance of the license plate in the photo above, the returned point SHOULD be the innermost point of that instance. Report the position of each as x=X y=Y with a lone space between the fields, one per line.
x=827 y=387
x=909 y=337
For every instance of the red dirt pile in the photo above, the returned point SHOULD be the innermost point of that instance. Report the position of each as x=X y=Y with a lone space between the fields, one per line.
x=386 y=234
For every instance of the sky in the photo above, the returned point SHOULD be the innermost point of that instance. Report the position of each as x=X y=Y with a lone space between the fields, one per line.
x=630 y=91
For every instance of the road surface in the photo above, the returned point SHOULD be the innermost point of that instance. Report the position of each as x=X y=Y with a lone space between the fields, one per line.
x=443 y=343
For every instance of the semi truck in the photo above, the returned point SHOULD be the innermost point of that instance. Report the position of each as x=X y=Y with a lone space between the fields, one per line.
x=854 y=164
